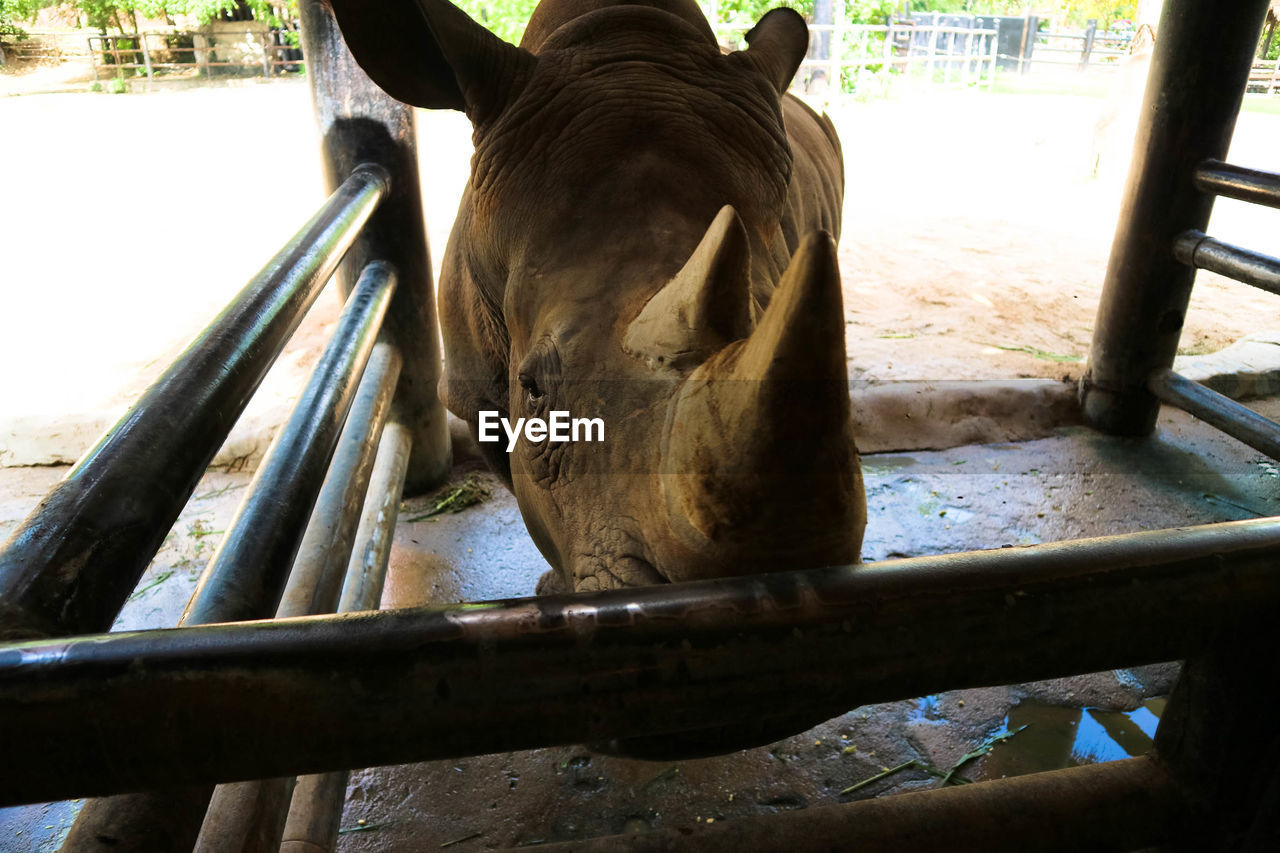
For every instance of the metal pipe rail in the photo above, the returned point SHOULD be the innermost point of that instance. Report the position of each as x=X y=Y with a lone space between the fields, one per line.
x=250 y=816
x=1133 y=804
x=1222 y=412
x=1194 y=91
x=1238 y=182
x=1196 y=249
x=321 y=693
x=247 y=575
x=70 y=566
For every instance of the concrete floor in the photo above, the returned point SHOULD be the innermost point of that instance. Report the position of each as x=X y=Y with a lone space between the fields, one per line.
x=1072 y=484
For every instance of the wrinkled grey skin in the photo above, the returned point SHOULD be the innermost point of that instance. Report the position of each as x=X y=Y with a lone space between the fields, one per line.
x=606 y=145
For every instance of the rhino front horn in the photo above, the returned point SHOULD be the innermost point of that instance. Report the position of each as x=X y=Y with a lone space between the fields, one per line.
x=761 y=441
x=705 y=306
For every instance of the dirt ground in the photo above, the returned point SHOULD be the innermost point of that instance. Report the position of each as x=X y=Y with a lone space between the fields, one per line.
x=974 y=247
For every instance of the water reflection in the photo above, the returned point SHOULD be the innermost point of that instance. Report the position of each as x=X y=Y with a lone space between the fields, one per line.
x=1058 y=737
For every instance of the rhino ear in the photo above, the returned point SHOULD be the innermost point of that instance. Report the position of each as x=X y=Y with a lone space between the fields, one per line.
x=428 y=53
x=777 y=44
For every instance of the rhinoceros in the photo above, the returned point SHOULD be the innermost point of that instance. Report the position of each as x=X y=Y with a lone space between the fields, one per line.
x=646 y=239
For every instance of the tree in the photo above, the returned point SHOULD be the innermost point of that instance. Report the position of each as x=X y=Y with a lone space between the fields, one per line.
x=103 y=14
x=13 y=13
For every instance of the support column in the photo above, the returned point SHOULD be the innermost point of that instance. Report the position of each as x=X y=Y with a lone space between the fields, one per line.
x=1218 y=741
x=359 y=123
x=1194 y=90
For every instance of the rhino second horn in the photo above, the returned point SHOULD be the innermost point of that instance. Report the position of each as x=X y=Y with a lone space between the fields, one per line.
x=762 y=433
x=705 y=306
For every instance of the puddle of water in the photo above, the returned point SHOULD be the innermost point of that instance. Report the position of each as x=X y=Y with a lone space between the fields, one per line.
x=926 y=709
x=1057 y=737
x=879 y=465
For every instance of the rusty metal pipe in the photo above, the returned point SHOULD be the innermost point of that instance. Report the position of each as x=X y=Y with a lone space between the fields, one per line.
x=1196 y=249
x=247 y=574
x=316 y=813
x=316 y=809
x=367 y=569
x=70 y=566
x=783 y=650
x=315 y=581
x=1194 y=90
x=1120 y=806
x=1237 y=421
x=1239 y=182
x=250 y=816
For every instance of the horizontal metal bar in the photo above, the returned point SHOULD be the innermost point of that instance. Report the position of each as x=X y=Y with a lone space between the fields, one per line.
x=1122 y=805
x=1230 y=181
x=1235 y=420
x=1196 y=249
x=247 y=575
x=748 y=659
x=70 y=566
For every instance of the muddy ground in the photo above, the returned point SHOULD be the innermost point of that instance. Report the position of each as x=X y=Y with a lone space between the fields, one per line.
x=975 y=246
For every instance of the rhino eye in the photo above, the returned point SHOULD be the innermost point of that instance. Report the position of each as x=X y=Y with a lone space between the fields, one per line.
x=530 y=386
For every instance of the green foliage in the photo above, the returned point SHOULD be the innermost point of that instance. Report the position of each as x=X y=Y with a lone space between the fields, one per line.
x=970 y=7
x=504 y=18
x=15 y=12
x=1272 y=49
x=747 y=12
x=507 y=18
x=1071 y=13
x=105 y=14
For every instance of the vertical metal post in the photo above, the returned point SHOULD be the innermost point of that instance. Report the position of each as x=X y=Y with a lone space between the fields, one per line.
x=837 y=50
x=200 y=45
x=1031 y=26
x=146 y=59
x=266 y=54
x=1090 y=33
x=359 y=123
x=886 y=51
x=1194 y=90
x=1219 y=750
x=933 y=49
x=993 y=54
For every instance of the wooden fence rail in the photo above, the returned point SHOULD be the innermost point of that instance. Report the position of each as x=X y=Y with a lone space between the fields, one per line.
x=1264 y=76
x=270 y=50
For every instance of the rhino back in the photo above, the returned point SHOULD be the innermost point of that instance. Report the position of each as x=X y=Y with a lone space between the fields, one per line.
x=550 y=15
x=815 y=195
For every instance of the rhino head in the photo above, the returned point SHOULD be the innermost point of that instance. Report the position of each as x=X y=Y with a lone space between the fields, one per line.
x=647 y=239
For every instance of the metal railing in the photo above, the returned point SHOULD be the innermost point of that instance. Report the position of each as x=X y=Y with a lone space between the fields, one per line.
x=651 y=671
x=866 y=55
x=151 y=52
x=1265 y=76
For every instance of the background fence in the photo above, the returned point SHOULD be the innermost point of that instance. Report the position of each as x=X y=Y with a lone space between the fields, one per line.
x=844 y=59
x=850 y=59
x=271 y=51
